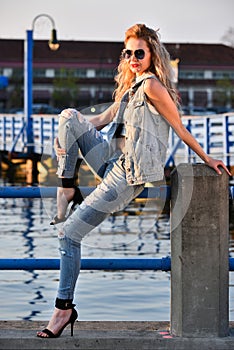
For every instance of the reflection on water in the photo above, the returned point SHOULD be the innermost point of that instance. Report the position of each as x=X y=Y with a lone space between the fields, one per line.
x=138 y=295
x=142 y=230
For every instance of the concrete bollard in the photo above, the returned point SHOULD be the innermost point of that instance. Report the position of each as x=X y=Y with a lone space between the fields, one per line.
x=199 y=252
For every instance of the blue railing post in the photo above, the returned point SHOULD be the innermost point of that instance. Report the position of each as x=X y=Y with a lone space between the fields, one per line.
x=4 y=133
x=41 y=134
x=207 y=135
x=189 y=125
x=227 y=142
x=53 y=136
x=28 y=92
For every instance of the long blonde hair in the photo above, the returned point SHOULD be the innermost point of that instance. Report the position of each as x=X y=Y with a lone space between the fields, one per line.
x=160 y=62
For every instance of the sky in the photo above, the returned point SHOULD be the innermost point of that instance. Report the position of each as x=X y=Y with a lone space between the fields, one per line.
x=191 y=21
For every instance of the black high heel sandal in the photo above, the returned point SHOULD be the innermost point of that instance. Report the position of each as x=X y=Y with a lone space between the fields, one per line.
x=62 y=305
x=76 y=199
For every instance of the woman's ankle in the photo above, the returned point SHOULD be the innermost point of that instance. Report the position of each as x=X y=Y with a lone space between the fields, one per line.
x=64 y=196
x=64 y=304
x=66 y=192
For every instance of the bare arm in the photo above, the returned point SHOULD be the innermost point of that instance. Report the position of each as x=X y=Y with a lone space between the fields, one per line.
x=162 y=101
x=104 y=118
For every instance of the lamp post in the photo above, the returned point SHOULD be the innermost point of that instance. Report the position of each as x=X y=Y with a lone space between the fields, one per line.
x=28 y=76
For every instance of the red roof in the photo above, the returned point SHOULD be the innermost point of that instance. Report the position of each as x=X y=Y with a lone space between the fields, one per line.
x=93 y=52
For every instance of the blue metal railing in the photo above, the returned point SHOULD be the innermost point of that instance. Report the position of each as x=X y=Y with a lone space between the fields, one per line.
x=162 y=192
x=162 y=264
x=14 y=133
x=215 y=133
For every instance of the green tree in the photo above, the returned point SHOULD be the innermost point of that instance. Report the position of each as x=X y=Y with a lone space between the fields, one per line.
x=16 y=97
x=225 y=92
x=65 y=89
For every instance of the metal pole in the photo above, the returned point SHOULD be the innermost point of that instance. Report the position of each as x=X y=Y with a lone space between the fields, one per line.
x=28 y=95
x=227 y=142
x=163 y=264
x=162 y=192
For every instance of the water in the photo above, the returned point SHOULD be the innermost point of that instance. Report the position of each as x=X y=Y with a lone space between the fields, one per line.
x=101 y=295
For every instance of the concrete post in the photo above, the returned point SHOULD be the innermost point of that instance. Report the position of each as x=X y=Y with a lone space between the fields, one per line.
x=199 y=252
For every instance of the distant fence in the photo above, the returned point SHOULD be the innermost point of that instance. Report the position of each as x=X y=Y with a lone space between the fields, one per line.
x=214 y=132
x=13 y=133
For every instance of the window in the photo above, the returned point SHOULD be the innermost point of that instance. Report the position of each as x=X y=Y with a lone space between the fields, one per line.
x=223 y=75
x=7 y=72
x=191 y=74
x=39 y=73
x=49 y=73
x=90 y=73
x=105 y=73
x=208 y=74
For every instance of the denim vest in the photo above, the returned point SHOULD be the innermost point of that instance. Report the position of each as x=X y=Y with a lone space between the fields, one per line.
x=146 y=138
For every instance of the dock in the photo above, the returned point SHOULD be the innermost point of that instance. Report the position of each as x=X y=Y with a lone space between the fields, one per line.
x=107 y=335
x=199 y=282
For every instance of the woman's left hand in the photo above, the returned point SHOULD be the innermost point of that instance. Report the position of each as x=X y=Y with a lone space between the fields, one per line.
x=58 y=150
x=216 y=165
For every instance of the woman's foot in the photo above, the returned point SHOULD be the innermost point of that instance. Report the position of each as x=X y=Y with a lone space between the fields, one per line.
x=59 y=320
x=66 y=192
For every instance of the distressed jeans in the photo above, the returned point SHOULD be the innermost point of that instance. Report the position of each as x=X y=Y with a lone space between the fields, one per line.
x=111 y=195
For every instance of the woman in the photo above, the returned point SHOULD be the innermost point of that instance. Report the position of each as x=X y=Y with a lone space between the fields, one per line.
x=145 y=106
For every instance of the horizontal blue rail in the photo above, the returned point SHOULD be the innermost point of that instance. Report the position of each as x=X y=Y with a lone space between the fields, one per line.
x=162 y=264
x=162 y=192
x=50 y=192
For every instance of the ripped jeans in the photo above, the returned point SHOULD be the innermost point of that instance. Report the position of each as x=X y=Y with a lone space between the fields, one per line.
x=111 y=195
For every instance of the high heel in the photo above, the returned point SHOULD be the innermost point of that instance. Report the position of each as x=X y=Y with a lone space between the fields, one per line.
x=76 y=200
x=62 y=305
x=71 y=320
x=56 y=220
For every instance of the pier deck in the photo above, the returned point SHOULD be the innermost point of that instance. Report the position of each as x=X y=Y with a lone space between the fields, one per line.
x=107 y=335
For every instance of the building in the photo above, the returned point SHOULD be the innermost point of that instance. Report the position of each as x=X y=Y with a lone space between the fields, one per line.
x=80 y=74
x=206 y=75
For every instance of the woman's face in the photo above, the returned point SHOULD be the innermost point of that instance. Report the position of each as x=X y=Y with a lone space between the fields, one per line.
x=137 y=65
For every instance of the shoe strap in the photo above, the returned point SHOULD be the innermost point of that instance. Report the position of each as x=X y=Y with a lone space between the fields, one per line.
x=64 y=304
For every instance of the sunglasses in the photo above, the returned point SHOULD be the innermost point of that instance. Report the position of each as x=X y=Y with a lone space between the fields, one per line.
x=139 y=54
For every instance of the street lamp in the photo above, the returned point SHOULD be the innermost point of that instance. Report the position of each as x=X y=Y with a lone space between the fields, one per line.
x=28 y=76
